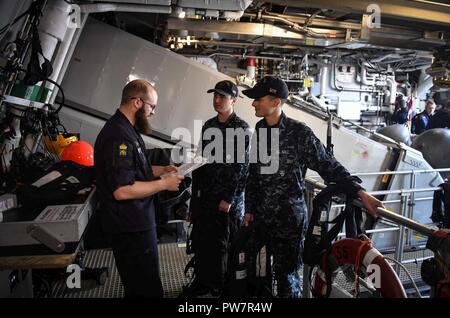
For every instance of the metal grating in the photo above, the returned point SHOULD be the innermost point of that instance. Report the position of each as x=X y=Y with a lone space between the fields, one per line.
x=172 y=259
x=90 y=289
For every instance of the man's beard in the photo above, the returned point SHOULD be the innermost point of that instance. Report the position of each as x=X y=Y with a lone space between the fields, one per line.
x=142 y=124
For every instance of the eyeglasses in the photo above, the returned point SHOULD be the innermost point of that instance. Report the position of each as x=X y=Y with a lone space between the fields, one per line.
x=152 y=107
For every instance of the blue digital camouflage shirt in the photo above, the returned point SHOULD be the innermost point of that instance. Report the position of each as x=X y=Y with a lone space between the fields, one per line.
x=273 y=196
x=224 y=178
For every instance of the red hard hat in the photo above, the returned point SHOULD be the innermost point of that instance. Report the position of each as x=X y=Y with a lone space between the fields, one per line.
x=80 y=152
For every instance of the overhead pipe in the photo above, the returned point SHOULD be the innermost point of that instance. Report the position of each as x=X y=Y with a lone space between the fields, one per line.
x=400 y=9
x=382 y=58
x=53 y=29
x=55 y=19
x=110 y=7
x=251 y=67
x=425 y=83
x=64 y=56
x=302 y=18
x=297 y=27
x=392 y=85
x=59 y=60
x=301 y=21
x=53 y=26
x=318 y=102
x=364 y=79
x=412 y=69
x=324 y=72
x=311 y=18
x=248 y=56
x=244 y=44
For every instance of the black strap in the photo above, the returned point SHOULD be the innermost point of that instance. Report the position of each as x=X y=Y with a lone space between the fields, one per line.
x=331 y=266
x=316 y=247
x=35 y=71
x=353 y=220
x=190 y=264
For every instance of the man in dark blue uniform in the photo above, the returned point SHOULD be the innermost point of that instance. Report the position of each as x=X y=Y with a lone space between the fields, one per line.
x=421 y=120
x=401 y=114
x=442 y=117
x=217 y=204
x=126 y=183
x=274 y=192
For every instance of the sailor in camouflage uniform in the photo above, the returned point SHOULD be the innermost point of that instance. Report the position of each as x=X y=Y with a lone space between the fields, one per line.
x=217 y=204
x=275 y=196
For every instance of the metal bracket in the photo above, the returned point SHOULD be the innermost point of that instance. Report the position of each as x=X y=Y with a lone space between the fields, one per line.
x=365 y=27
x=43 y=236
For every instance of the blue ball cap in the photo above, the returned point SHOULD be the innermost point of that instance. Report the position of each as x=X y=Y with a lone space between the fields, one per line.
x=269 y=85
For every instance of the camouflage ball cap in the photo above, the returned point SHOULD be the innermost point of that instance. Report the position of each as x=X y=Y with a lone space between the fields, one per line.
x=269 y=85
x=225 y=88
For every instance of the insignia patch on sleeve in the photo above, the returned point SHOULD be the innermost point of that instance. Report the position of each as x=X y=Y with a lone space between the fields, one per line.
x=123 y=150
x=123 y=155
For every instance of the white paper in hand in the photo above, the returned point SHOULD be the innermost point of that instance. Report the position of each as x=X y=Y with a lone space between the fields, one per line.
x=187 y=168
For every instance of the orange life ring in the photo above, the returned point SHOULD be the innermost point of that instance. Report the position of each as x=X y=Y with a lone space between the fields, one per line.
x=360 y=254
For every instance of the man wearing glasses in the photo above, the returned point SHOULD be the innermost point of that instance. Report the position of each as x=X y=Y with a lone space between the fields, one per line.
x=126 y=184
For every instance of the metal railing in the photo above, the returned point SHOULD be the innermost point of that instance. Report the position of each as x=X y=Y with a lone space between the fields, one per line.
x=401 y=220
x=410 y=193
